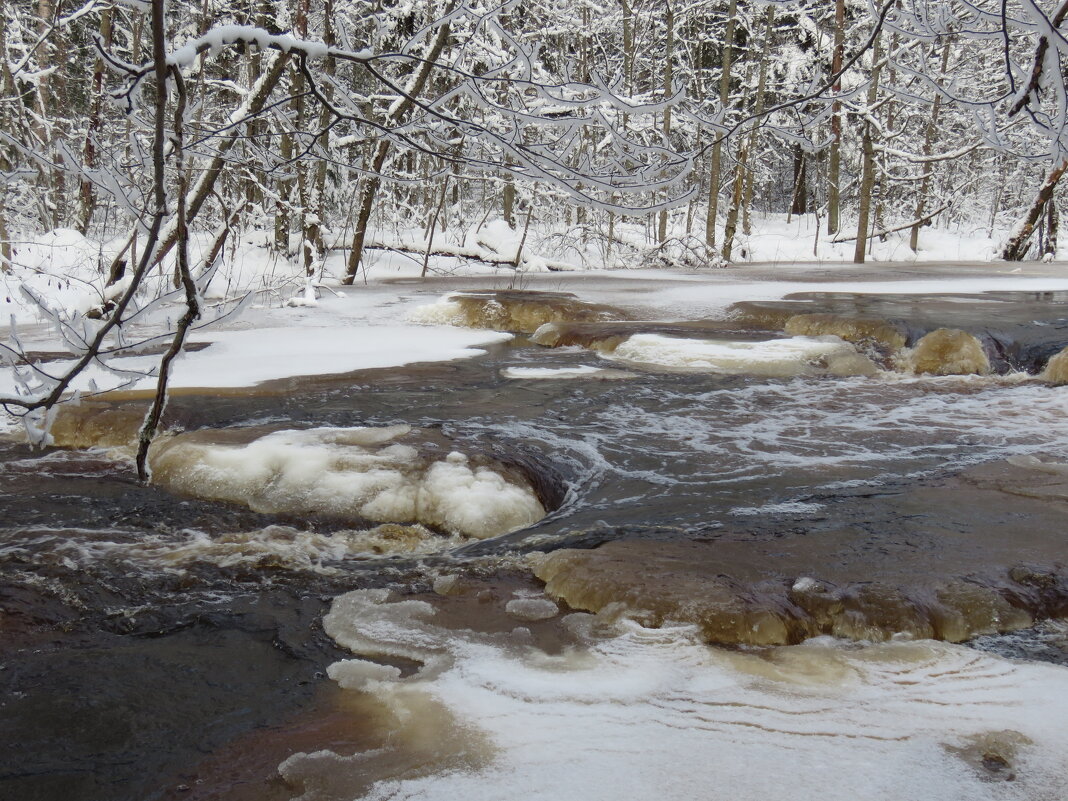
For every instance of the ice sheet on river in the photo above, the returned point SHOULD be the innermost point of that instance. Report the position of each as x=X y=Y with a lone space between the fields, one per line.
x=640 y=713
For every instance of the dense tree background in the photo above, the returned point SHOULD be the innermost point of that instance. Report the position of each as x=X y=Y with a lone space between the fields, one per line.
x=685 y=121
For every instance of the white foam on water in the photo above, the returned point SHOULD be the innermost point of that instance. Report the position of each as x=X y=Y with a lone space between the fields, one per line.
x=656 y=714
x=776 y=357
x=785 y=508
x=270 y=547
x=580 y=371
x=348 y=473
x=846 y=430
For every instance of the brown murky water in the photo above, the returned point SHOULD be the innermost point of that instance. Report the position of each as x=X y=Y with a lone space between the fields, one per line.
x=166 y=644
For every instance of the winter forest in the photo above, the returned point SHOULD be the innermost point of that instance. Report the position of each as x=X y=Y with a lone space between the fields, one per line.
x=630 y=130
x=583 y=400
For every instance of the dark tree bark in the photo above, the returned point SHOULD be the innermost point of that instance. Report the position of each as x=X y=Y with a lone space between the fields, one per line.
x=374 y=180
x=1016 y=247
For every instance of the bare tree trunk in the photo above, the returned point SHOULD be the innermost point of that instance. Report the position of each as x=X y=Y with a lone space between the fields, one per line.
x=192 y=307
x=928 y=145
x=717 y=148
x=731 y=224
x=7 y=85
x=87 y=196
x=867 y=181
x=669 y=79
x=834 y=169
x=1016 y=247
x=508 y=201
x=317 y=202
x=1053 y=222
x=51 y=181
x=374 y=180
x=799 y=202
x=758 y=109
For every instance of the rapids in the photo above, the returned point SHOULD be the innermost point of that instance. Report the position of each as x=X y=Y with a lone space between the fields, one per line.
x=722 y=535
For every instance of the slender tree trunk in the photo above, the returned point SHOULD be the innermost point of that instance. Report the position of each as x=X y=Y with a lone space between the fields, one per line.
x=717 y=148
x=159 y=191
x=929 y=136
x=669 y=79
x=799 y=202
x=1053 y=224
x=7 y=85
x=318 y=196
x=5 y=239
x=51 y=181
x=373 y=181
x=185 y=280
x=834 y=168
x=867 y=180
x=1016 y=247
x=87 y=196
x=508 y=202
x=758 y=108
x=731 y=224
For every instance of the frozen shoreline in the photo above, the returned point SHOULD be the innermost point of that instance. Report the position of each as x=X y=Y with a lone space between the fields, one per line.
x=367 y=325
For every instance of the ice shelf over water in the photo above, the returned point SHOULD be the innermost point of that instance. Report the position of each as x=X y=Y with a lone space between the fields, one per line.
x=640 y=713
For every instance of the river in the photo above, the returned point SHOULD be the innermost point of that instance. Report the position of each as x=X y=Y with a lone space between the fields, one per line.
x=691 y=550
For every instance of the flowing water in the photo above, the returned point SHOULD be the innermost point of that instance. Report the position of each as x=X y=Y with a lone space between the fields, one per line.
x=560 y=567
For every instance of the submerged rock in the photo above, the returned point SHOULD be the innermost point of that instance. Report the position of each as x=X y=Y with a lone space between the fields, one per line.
x=695 y=583
x=947 y=351
x=518 y=311
x=858 y=330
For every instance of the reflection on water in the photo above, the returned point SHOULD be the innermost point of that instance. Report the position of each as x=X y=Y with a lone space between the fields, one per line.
x=742 y=507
